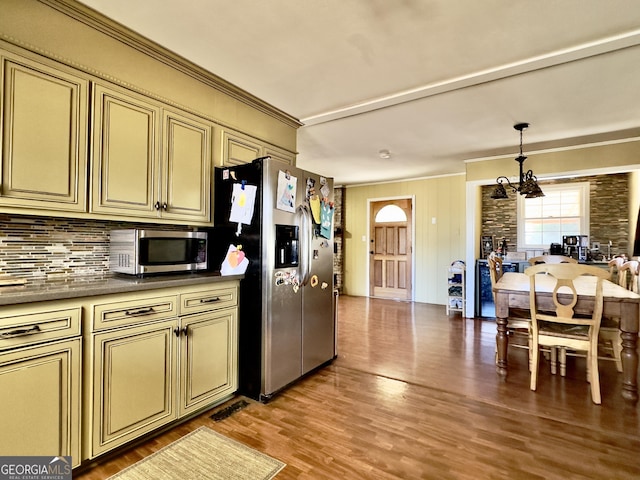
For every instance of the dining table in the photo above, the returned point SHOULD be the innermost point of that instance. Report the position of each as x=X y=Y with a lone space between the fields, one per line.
x=512 y=291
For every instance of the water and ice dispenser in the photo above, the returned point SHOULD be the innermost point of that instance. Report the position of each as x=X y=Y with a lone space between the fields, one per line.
x=287 y=246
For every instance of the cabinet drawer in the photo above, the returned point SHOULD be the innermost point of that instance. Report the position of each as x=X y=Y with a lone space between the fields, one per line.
x=29 y=328
x=132 y=312
x=208 y=299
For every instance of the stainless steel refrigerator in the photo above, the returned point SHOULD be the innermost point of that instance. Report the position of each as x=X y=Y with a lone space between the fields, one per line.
x=281 y=220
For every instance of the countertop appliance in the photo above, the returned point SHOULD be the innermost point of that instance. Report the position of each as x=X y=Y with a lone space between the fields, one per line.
x=556 y=249
x=143 y=252
x=576 y=246
x=280 y=218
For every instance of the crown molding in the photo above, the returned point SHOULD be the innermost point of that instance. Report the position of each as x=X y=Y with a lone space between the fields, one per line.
x=119 y=32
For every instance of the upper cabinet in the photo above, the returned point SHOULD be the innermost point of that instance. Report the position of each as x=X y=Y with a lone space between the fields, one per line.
x=77 y=143
x=281 y=155
x=187 y=163
x=147 y=161
x=44 y=136
x=124 y=154
x=238 y=148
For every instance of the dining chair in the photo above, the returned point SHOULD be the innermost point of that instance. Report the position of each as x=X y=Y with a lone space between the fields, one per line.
x=610 y=338
x=551 y=259
x=614 y=269
x=519 y=321
x=628 y=274
x=562 y=327
x=552 y=353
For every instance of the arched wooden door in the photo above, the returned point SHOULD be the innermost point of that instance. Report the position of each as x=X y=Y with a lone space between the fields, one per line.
x=390 y=259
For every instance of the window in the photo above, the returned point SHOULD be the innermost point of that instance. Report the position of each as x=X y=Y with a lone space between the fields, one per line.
x=564 y=210
x=391 y=213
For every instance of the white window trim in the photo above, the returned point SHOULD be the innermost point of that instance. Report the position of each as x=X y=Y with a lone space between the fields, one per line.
x=584 y=221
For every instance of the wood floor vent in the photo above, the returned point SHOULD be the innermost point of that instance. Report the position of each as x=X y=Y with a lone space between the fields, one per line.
x=230 y=410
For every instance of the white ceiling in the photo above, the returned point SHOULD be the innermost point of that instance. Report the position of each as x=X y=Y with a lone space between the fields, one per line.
x=435 y=82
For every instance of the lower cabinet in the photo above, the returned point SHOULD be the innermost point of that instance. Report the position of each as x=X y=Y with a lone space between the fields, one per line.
x=81 y=377
x=40 y=400
x=153 y=370
x=134 y=382
x=208 y=352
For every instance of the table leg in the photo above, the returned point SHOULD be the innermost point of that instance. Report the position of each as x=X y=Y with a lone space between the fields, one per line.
x=502 y=341
x=502 y=345
x=629 y=355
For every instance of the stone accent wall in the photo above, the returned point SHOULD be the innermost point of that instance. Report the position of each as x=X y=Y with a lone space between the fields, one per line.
x=608 y=212
x=338 y=228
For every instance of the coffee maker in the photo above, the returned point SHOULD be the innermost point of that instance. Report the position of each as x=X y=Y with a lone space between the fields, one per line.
x=576 y=246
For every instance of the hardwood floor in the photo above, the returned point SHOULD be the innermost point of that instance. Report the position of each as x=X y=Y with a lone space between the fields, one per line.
x=413 y=394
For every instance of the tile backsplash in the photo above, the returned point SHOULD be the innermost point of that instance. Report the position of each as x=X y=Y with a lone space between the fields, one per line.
x=38 y=248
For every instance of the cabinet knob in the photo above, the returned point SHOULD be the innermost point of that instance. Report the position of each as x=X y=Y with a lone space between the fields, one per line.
x=176 y=331
x=156 y=205
x=164 y=206
x=185 y=331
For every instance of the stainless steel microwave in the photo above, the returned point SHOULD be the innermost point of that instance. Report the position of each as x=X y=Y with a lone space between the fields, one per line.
x=142 y=252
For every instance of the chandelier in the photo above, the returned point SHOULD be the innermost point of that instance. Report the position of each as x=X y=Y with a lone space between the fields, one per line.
x=528 y=184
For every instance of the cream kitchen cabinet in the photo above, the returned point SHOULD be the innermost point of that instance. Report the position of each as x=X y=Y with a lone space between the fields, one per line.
x=156 y=357
x=238 y=149
x=279 y=154
x=131 y=365
x=40 y=380
x=207 y=359
x=44 y=136
x=187 y=163
x=148 y=161
x=208 y=346
x=134 y=383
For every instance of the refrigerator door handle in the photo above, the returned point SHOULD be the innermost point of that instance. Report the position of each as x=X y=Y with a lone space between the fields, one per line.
x=305 y=244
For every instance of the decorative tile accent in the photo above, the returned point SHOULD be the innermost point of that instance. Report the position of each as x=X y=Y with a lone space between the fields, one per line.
x=38 y=248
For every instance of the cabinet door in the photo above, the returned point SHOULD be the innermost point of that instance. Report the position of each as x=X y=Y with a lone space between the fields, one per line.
x=40 y=401
x=44 y=137
x=238 y=149
x=186 y=179
x=124 y=154
x=209 y=365
x=134 y=383
x=281 y=155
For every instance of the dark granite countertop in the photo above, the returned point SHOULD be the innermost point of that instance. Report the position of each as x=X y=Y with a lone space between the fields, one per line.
x=77 y=287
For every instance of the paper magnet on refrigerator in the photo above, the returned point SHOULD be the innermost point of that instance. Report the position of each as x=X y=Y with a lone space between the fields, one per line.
x=326 y=219
x=287 y=186
x=243 y=200
x=235 y=262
